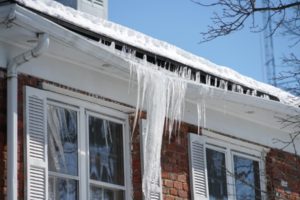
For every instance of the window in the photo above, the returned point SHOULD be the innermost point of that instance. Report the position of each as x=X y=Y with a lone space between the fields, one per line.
x=106 y=161
x=75 y=150
x=224 y=170
x=62 y=133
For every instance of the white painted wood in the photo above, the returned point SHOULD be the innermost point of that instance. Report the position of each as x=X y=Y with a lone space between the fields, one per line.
x=197 y=163
x=228 y=146
x=156 y=194
x=36 y=145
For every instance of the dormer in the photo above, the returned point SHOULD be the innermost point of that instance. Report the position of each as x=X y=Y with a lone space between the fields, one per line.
x=97 y=8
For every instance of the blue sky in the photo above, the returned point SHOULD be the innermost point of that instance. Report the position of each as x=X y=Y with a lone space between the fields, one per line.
x=180 y=22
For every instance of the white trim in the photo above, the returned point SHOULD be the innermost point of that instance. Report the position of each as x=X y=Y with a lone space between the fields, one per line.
x=61 y=175
x=106 y=185
x=234 y=143
x=231 y=147
x=89 y=113
x=77 y=95
x=83 y=109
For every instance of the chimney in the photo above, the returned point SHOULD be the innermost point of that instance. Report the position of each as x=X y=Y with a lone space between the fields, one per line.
x=97 y=8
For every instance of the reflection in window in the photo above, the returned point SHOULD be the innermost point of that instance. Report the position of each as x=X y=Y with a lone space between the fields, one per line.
x=216 y=171
x=106 y=154
x=97 y=193
x=247 y=181
x=62 y=189
x=62 y=152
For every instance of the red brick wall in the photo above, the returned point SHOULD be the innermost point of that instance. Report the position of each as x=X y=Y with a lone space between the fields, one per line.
x=174 y=161
x=283 y=175
x=2 y=135
x=23 y=80
x=175 y=169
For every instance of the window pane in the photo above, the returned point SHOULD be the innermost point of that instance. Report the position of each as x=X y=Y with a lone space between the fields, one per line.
x=62 y=189
x=216 y=171
x=97 y=193
x=247 y=181
x=106 y=151
x=62 y=140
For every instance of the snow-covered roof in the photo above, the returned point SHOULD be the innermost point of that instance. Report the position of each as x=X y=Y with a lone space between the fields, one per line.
x=147 y=43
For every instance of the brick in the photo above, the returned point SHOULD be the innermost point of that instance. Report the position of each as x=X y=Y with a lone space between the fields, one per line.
x=178 y=185
x=173 y=192
x=182 y=193
x=182 y=178
x=168 y=183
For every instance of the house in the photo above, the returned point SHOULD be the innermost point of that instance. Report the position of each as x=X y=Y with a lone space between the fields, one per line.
x=90 y=109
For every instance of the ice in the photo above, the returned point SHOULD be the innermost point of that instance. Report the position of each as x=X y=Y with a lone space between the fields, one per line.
x=140 y=40
x=162 y=96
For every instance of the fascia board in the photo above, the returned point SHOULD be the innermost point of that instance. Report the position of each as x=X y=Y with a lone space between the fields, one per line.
x=240 y=99
x=27 y=18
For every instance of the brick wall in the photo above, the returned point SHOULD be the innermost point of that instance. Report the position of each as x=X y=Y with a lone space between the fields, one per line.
x=2 y=135
x=23 y=80
x=283 y=175
x=282 y=168
x=174 y=163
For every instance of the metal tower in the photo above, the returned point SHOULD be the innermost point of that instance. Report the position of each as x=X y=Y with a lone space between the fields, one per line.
x=269 y=49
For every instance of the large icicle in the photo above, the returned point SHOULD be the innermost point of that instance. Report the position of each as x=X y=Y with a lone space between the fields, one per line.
x=162 y=96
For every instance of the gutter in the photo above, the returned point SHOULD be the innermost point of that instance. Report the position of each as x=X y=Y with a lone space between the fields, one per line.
x=12 y=111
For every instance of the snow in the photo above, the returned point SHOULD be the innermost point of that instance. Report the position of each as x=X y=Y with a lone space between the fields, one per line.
x=161 y=92
x=145 y=42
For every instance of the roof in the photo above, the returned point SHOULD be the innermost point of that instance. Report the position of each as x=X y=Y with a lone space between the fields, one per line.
x=163 y=49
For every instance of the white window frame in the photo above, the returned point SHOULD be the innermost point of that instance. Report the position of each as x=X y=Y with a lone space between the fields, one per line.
x=62 y=175
x=116 y=120
x=231 y=147
x=82 y=107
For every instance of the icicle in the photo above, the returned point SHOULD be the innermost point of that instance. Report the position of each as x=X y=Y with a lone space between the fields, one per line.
x=112 y=45
x=248 y=92
x=199 y=112
x=265 y=96
x=223 y=84
x=189 y=74
x=233 y=88
x=185 y=73
x=239 y=89
x=208 y=77
x=216 y=82
x=198 y=77
x=163 y=96
x=254 y=93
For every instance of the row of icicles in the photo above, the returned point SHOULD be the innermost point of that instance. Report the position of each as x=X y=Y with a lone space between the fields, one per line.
x=186 y=73
x=161 y=94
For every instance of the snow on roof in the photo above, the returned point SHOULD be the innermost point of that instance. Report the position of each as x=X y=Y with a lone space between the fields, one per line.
x=140 y=40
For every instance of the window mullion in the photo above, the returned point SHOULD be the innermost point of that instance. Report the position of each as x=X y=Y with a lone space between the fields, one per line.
x=230 y=175
x=83 y=155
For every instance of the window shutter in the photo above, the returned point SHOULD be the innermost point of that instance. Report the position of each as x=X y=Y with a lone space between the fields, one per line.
x=198 y=172
x=156 y=194
x=36 y=145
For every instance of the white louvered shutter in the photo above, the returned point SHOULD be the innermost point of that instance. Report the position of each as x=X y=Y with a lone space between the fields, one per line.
x=198 y=172
x=157 y=193
x=36 y=145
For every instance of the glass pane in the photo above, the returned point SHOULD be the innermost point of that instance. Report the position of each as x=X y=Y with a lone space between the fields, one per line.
x=247 y=181
x=62 y=189
x=62 y=140
x=106 y=151
x=216 y=171
x=97 y=193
